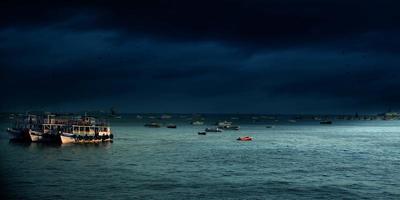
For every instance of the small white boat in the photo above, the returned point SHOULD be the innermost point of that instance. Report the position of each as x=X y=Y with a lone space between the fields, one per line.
x=197 y=123
x=230 y=127
x=67 y=138
x=213 y=130
x=165 y=117
x=35 y=136
x=224 y=123
x=152 y=125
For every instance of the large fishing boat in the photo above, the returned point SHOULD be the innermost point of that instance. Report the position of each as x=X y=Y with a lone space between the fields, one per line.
x=48 y=128
x=21 y=127
x=60 y=129
x=38 y=128
x=87 y=130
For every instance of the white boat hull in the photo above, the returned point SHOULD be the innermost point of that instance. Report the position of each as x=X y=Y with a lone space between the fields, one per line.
x=67 y=139
x=35 y=136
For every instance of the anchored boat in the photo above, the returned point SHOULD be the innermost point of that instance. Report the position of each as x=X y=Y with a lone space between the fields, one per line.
x=213 y=130
x=223 y=123
x=171 y=126
x=152 y=125
x=59 y=129
x=21 y=127
x=35 y=136
x=230 y=127
x=325 y=122
x=88 y=131
x=245 y=138
x=197 y=123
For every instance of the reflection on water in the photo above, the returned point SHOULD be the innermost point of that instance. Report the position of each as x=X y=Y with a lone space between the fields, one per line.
x=39 y=145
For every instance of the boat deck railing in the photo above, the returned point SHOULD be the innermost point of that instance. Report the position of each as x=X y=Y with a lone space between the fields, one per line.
x=38 y=120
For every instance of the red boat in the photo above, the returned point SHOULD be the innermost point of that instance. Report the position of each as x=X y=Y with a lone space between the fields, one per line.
x=246 y=138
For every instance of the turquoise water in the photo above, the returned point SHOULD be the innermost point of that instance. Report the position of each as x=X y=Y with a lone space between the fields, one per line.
x=304 y=160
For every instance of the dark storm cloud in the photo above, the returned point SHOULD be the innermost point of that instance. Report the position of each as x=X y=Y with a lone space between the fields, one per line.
x=210 y=56
x=273 y=23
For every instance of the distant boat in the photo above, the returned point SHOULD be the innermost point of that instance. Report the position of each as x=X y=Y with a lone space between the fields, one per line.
x=230 y=127
x=171 y=126
x=213 y=130
x=292 y=121
x=202 y=133
x=152 y=125
x=317 y=118
x=224 y=123
x=165 y=117
x=197 y=123
x=245 y=138
x=325 y=122
x=269 y=126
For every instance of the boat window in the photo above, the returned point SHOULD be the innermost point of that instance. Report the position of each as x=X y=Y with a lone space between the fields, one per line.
x=105 y=129
x=76 y=129
x=81 y=129
x=87 y=129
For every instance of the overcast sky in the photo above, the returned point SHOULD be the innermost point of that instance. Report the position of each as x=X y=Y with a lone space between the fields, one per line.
x=281 y=56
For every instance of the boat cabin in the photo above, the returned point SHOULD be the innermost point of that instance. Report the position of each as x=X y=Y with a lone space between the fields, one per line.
x=89 y=130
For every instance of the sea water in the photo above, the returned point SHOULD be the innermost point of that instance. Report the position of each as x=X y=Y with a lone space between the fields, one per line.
x=303 y=160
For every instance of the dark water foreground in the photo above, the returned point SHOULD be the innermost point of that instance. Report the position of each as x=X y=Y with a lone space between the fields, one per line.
x=353 y=160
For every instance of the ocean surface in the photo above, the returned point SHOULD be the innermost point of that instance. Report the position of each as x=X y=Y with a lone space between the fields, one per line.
x=303 y=160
